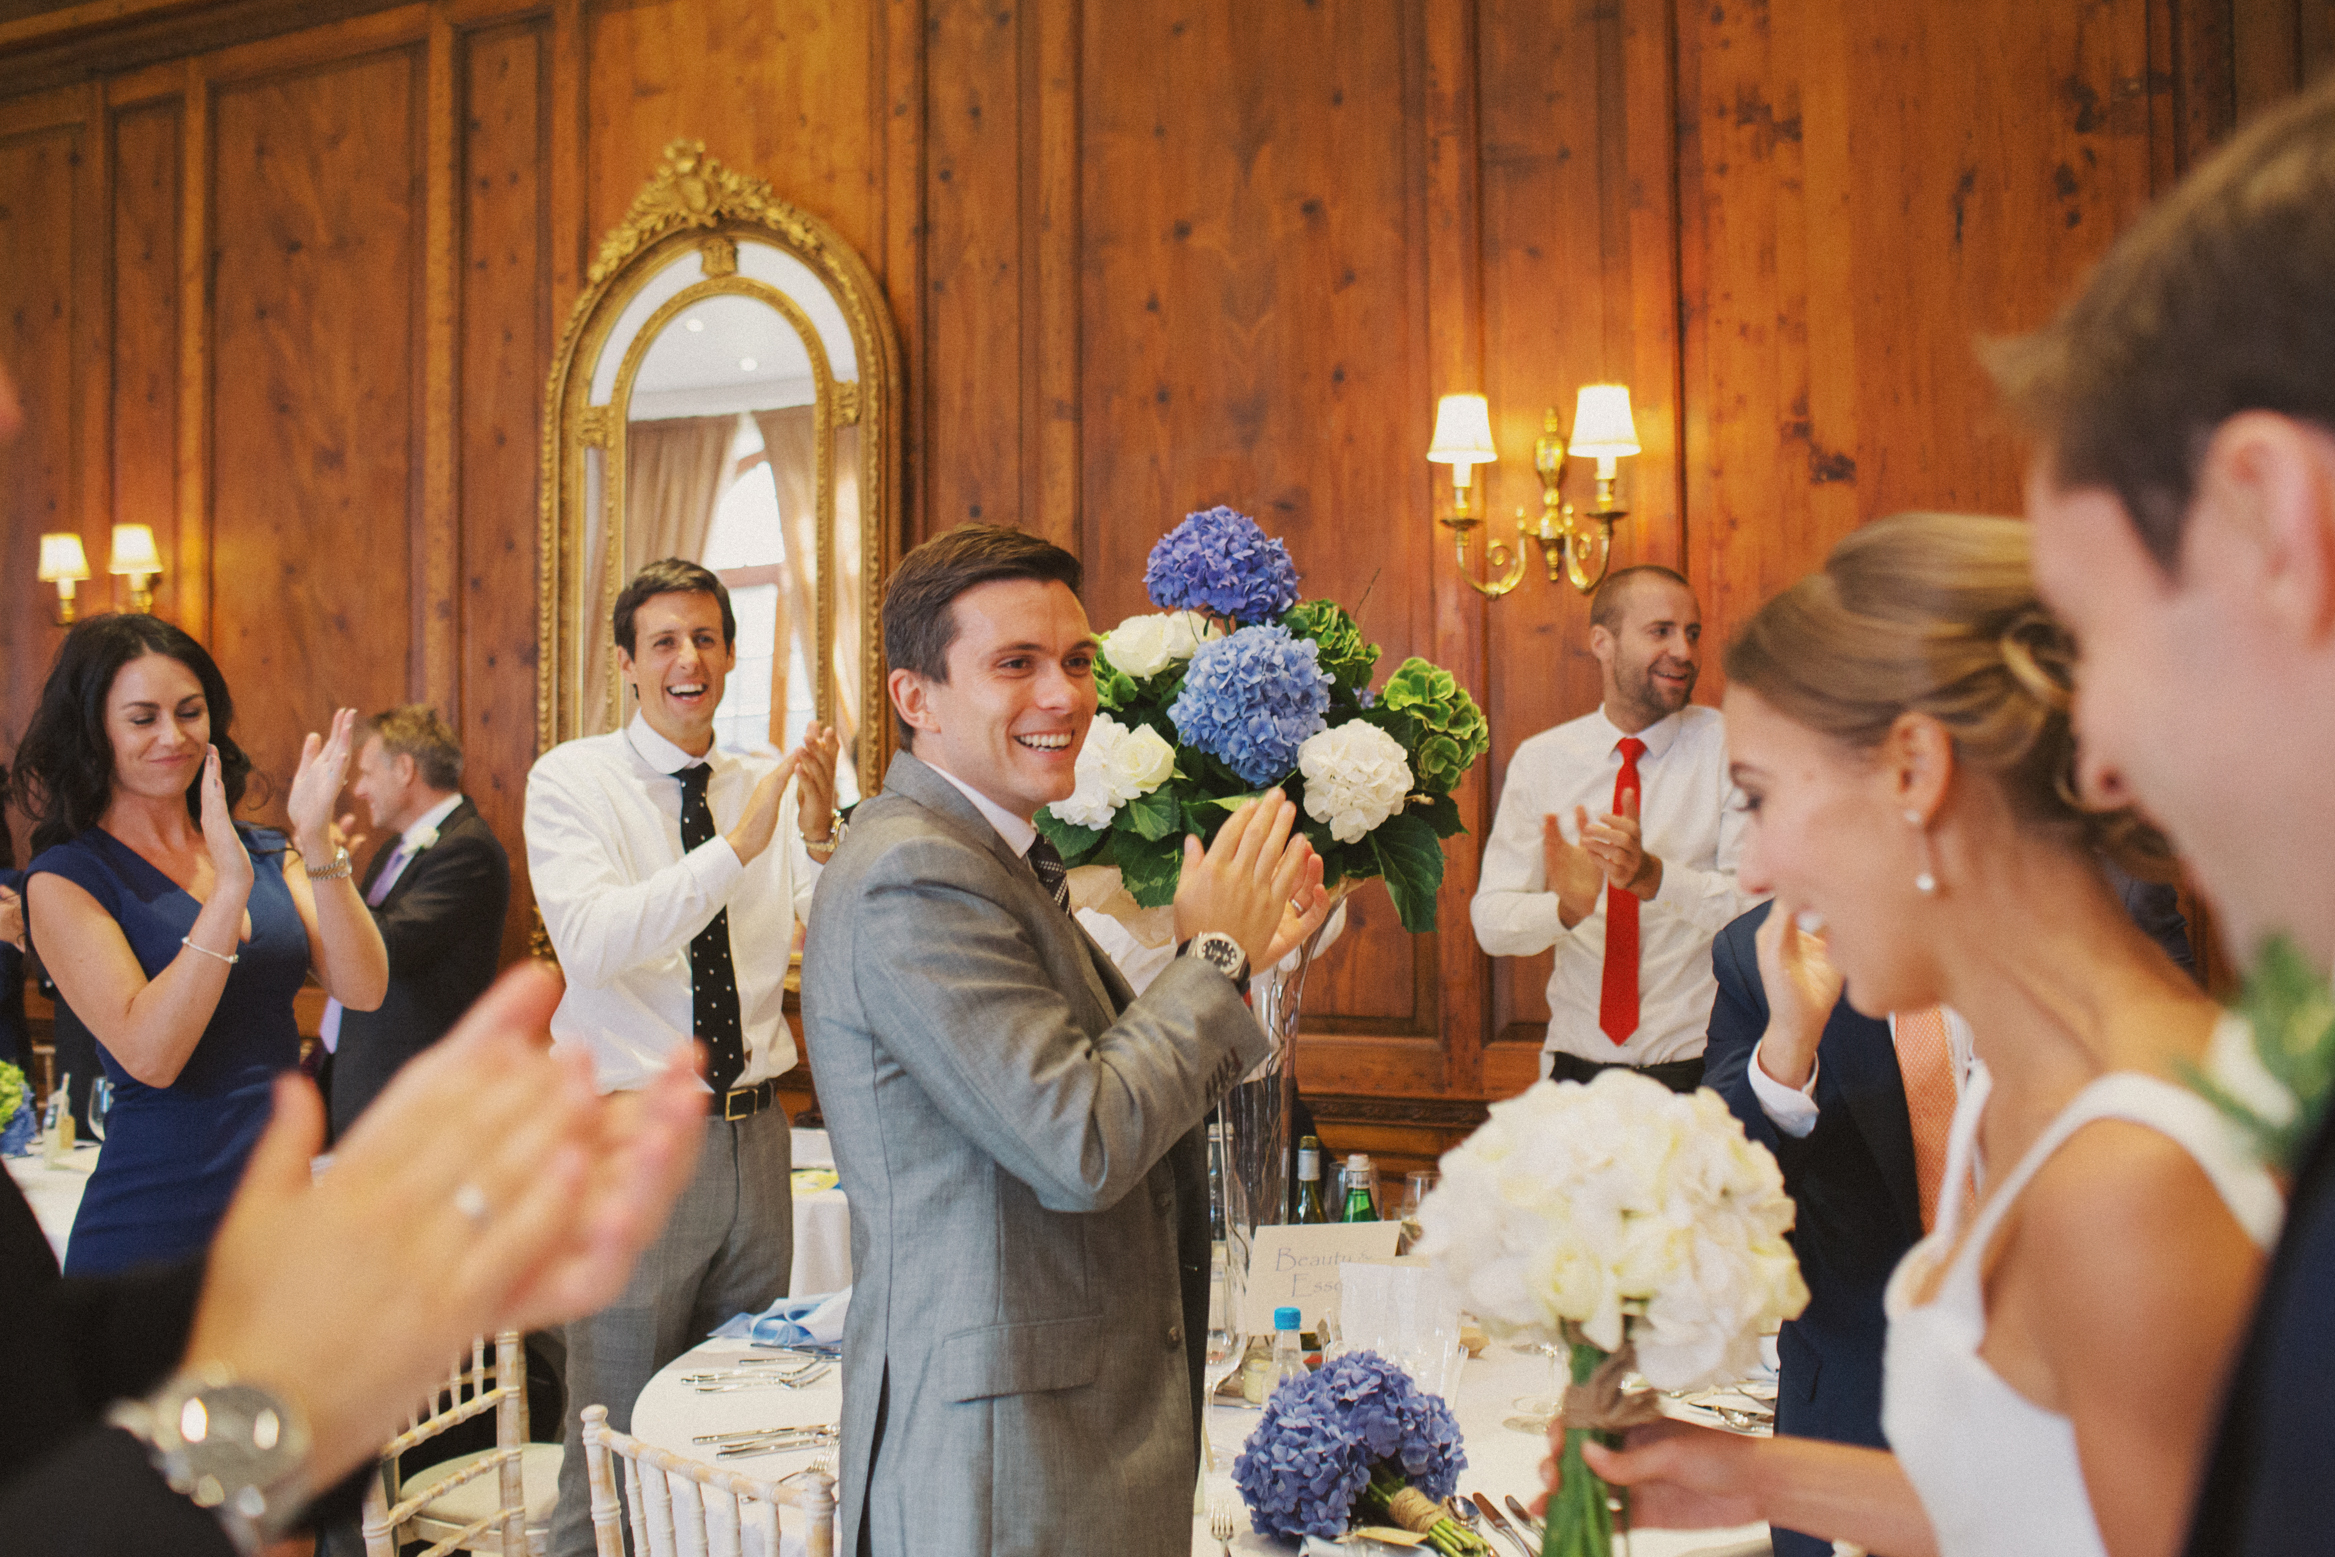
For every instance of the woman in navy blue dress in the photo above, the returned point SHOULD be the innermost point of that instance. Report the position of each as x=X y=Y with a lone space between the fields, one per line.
x=178 y=935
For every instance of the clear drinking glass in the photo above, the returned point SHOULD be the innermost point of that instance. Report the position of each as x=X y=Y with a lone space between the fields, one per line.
x=101 y=1106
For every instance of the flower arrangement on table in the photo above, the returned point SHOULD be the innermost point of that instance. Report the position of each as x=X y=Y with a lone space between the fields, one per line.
x=1630 y=1225
x=1356 y=1438
x=16 y=1113
x=1236 y=686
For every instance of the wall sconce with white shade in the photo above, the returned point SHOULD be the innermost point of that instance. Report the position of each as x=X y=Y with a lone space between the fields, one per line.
x=1603 y=430
x=1463 y=440
x=64 y=564
x=135 y=555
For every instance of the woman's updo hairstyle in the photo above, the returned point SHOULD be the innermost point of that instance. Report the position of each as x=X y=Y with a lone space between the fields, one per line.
x=1937 y=614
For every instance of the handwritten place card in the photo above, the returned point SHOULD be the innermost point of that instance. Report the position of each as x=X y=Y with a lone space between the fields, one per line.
x=1298 y=1266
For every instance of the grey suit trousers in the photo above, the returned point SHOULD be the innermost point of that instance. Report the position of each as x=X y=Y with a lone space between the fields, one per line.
x=727 y=1249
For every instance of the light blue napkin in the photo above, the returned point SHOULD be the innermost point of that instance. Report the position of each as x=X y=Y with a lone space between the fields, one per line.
x=816 y=1320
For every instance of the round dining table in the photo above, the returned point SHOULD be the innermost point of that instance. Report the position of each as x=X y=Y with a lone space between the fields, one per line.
x=1502 y=1461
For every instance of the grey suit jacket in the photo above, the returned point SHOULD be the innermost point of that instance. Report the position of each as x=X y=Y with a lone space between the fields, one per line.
x=1018 y=1137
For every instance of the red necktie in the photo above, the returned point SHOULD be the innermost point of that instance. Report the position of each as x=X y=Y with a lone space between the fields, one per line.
x=1617 y=1000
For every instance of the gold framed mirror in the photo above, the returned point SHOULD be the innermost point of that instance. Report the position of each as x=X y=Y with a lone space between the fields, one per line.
x=727 y=390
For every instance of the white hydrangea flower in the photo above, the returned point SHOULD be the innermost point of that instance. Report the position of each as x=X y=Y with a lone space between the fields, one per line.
x=1356 y=776
x=1627 y=1211
x=1115 y=765
x=1144 y=646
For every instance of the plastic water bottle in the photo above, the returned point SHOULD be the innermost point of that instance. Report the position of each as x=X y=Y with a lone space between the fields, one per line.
x=1288 y=1346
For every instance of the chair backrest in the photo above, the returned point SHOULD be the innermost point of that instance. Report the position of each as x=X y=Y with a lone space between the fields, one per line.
x=671 y=1513
x=474 y=1387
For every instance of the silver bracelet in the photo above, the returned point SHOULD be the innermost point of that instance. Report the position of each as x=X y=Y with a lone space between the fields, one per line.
x=231 y=959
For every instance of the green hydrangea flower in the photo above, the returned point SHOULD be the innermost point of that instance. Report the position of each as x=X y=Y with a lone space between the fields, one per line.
x=12 y=1093
x=1349 y=657
x=1444 y=729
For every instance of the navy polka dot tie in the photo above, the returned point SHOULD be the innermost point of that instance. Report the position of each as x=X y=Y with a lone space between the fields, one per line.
x=713 y=977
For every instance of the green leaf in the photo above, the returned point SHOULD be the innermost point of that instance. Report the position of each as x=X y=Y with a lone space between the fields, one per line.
x=1150 y=868
x=2290 y=1013
x=1440 y=812
x=1152 y=817
x=1411 y=860
x=1075 y=842
x=1114 y=688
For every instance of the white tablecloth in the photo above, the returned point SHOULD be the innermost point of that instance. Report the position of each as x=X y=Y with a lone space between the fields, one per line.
x=822 y=1224
x=1501 y=1460
x=55 y=1192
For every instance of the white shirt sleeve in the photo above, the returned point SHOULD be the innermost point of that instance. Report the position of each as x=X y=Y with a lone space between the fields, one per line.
x=1514 y=912
x=1710 y=899
x=600 y=923
x=1790 y=1109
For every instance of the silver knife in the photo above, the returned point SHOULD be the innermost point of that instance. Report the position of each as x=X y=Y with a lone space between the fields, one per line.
x=1524 y=1516
x=1499 y=1522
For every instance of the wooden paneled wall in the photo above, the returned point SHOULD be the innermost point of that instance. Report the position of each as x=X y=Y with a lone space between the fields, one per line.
x=284 y=280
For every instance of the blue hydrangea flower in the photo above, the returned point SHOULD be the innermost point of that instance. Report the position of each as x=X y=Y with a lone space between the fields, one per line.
x=1251 y=700
x=1312 y=1455
x=1219 y=562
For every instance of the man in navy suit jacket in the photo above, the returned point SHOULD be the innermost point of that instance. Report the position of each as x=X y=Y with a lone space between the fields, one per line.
x=1852 y=1178
x=2183 y=498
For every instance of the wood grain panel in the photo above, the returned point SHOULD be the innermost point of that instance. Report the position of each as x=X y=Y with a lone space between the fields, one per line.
x=146 y=202
x=1250 y=331
x=784 y=90
x=505 y=340
x=972 y=303
x=39 y=171
x=317 y=207
x=1864 y=193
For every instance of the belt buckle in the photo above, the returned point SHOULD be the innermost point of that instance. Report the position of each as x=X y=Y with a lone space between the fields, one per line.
x=752 y=1098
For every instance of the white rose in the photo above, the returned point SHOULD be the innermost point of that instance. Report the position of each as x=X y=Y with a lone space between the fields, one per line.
x=1094 y=802
x=1356 y=776
x=1140 y=763
x=1143 y=646
x=1115 y=765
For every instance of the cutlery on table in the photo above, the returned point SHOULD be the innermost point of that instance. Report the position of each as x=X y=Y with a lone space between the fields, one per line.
x=749 y=1448
x=1221 y=1527
x=1499 y=1522
x=764 y=1432
x=717 y=1386
x=1523 y=1516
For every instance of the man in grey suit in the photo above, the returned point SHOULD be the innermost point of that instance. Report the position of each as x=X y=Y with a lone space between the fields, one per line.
x=1017 y=1132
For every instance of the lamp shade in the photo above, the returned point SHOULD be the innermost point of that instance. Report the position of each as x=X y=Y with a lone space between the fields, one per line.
x=62 y=558
x=1602 y=428
x=134 y=549
x=1463 y=431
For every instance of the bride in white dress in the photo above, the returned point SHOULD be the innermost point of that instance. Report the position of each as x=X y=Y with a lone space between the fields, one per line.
x=2056 y=1349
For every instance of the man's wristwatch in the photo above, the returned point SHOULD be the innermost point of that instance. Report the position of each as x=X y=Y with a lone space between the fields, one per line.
x=232 y=1447
x=1221 y=952
x=822 y=850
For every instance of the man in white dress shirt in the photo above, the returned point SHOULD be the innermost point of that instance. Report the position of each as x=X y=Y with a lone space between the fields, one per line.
x=670 y=875
x=1616 y=843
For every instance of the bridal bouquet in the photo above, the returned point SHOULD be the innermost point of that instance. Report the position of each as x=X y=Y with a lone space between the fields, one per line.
x=1637 y=1228
x=1236 y=686
x=1357 y=1437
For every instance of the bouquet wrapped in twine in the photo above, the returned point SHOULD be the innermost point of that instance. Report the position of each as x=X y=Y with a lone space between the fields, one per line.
x=1633 y=1226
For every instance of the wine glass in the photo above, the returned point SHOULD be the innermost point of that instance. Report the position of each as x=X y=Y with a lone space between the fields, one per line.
x=1534 y=1413
x=101 y=1106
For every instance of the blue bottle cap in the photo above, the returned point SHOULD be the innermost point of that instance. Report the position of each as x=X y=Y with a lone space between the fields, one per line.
x=1286 y=1319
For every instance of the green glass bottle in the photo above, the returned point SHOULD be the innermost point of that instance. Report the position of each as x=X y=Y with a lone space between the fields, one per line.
x=1310 y=1208
x=1358 y=1204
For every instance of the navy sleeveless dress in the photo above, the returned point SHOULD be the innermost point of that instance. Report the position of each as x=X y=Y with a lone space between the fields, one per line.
x=173 y=1155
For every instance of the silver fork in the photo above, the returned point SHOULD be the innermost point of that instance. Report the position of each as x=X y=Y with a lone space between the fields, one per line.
x=1221 y=1527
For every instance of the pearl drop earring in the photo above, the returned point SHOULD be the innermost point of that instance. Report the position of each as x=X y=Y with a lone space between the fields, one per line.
x=1926 y=883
